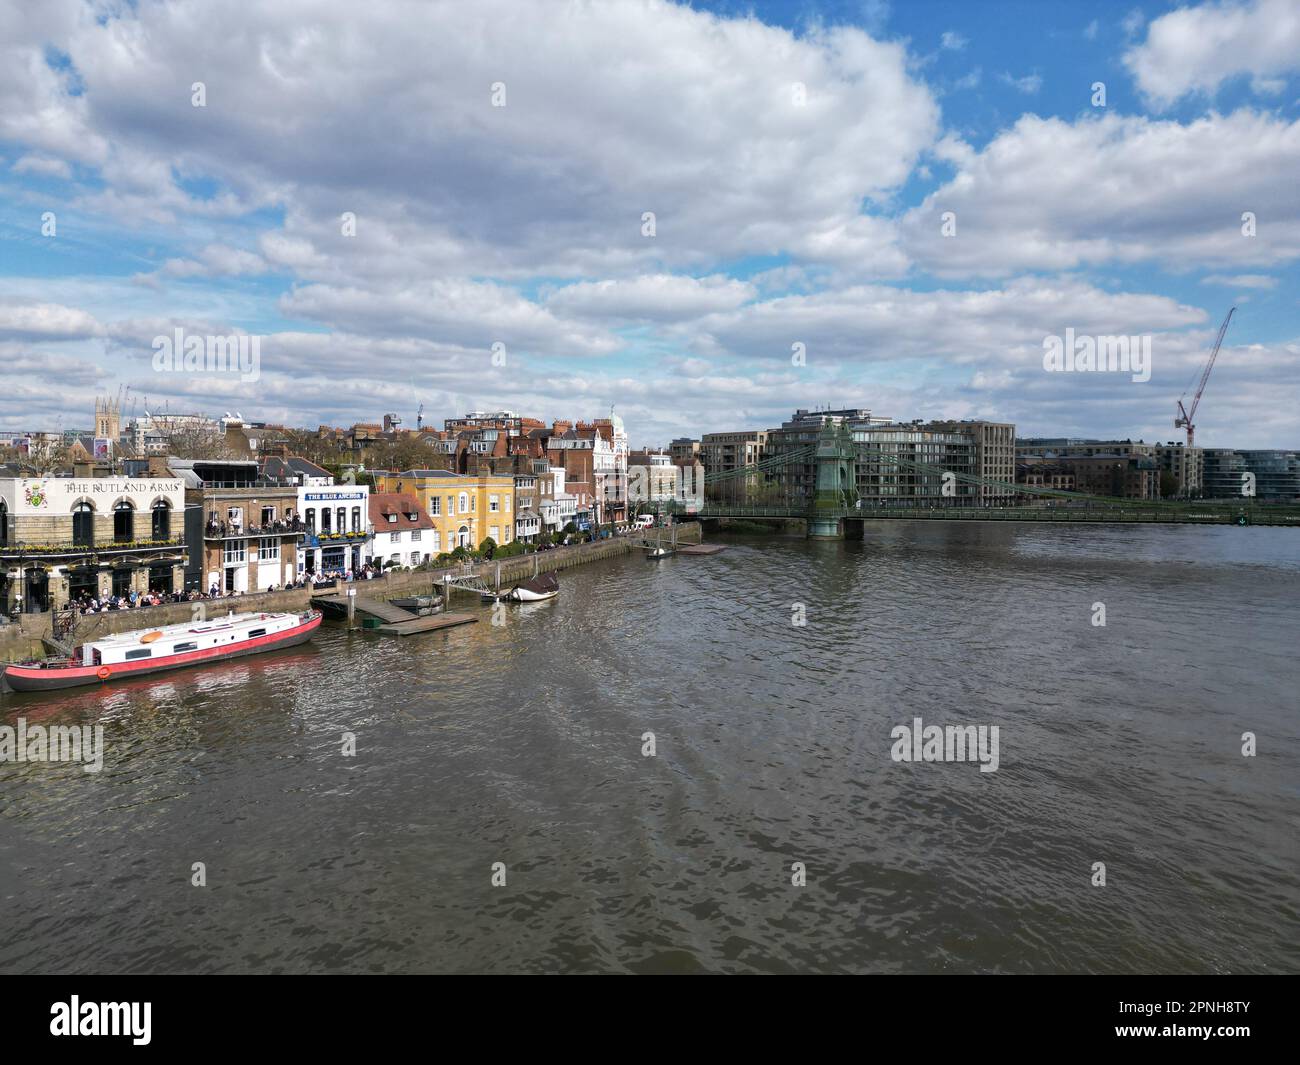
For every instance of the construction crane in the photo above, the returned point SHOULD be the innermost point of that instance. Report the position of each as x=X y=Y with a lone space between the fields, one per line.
x=1185 y=416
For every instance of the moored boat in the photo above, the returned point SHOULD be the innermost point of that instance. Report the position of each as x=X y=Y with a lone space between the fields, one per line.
x=536 y=589
x=134 y=654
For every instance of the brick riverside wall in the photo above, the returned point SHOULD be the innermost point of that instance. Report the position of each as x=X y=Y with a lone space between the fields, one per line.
x=23 y=640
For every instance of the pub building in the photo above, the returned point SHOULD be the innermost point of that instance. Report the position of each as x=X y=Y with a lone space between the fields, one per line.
x=65 y=538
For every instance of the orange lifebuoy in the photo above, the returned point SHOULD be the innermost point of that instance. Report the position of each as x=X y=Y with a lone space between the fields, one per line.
x=103 y=672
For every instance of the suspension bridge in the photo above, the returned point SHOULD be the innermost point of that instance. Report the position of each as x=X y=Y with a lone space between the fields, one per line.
x=836 y=486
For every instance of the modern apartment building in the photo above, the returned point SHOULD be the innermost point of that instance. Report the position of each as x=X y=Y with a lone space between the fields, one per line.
x=1184 y=468
x=1275 y=474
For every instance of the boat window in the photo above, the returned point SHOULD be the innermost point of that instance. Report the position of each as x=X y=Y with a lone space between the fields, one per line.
x=190 y=646
x=256 y=632
x=143 y=652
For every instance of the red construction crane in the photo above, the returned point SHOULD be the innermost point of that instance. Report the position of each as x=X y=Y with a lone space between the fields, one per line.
x=1185 y=417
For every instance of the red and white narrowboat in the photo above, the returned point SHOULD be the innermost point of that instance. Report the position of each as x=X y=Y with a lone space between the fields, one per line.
x=133 y=654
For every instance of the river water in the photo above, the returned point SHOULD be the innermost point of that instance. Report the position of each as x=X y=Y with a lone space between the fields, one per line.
x=522 y=744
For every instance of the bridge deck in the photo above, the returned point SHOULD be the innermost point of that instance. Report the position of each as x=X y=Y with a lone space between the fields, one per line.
x=1189 y=514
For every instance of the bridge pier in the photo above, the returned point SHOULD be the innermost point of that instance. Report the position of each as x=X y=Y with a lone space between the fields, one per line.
x=825 y=528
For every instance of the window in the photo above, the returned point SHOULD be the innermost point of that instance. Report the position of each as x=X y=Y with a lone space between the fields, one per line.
x=123 y=522
x=189 y=646
x=415 y=534
x=495 y=533
x=415 y=558
x=324 y=519
x=268 y=549
x=162 y=520
x=464 y=504
x=494 y=503
x=356 y=519
x=507 y=504
x=437 y=541
x=233 y=551
x=256 y=632
x=268 y=515
x=142 y=652
x=392 y=519
x=342 y=515
x=451 y=504
x=83 y=525
x=435 y=506
x=394 y=538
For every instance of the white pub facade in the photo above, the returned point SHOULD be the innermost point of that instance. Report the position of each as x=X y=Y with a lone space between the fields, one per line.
x=68 y=538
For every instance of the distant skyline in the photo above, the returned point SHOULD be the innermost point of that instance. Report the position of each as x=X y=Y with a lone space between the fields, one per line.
x=384 y=192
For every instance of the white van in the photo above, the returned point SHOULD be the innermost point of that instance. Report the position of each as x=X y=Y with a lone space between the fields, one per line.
x=644 y=521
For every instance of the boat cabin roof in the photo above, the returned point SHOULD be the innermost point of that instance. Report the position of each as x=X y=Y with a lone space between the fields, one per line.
x=224 y=624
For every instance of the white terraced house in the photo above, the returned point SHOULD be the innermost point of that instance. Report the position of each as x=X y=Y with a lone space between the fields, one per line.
x=403 y=534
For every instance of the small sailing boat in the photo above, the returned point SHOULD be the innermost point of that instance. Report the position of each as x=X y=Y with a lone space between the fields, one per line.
x=536 y=589
x=657 y=550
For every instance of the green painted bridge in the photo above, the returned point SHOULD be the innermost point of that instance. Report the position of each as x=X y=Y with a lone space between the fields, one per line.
x=779 y=489
x=1128 y=512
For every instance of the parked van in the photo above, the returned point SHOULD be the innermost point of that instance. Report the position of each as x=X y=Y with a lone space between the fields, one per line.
x=644 y=521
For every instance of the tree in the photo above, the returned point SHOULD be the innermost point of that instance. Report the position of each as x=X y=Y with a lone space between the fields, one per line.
x=487 y=547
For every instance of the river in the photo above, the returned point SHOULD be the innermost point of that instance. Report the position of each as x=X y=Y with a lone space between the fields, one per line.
x=523 y=744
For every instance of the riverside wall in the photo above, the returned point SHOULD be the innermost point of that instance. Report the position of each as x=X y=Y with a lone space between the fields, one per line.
x=25 y=638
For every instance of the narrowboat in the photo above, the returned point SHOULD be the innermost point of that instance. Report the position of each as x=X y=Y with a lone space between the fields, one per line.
x=135 y=654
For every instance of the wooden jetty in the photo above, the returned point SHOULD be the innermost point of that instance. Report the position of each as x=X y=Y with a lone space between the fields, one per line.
x=430 y=623
x=387 y=618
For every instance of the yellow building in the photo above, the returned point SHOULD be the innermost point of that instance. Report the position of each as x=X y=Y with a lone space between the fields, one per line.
x=465 y=507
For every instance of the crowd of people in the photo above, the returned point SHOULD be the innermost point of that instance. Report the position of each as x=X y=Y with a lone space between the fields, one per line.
x=365 y=573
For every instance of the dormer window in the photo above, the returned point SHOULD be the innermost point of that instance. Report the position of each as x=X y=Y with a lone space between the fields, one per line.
x=392 y=519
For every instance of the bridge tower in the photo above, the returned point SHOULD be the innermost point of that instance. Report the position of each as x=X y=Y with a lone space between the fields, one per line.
x=837 y=482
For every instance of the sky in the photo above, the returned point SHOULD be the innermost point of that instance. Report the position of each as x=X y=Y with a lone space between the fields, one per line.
x=701 y=216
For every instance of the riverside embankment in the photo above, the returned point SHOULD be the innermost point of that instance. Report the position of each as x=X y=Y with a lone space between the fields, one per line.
x=26 y=638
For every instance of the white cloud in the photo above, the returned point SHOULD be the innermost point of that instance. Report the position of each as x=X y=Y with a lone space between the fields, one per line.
x=611 y=110
x=46 y=321
x=1241 y=281
x=953 y=42
x=1054 y=195
x=1029 y=84
x=658 y=297
x=1196 y=49
x=43 y=165
x=216 y=260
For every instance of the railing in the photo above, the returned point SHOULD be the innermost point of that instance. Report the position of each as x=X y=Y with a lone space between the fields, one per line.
x=225 y=531
x=326 y=539
x=20 y=549
x=1133 y=511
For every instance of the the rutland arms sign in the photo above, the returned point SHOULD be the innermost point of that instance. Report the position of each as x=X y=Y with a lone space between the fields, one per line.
x=61 y=492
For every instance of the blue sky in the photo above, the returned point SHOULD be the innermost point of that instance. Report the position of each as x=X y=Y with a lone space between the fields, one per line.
x=798 y=159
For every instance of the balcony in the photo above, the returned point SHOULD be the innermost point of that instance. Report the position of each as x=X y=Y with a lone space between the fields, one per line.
x=332 y=538
x=220 y=530
x=20 y=550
